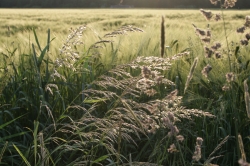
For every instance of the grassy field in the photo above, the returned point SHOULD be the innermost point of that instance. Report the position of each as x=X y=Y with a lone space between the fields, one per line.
x=92 y=87
x=101 y=21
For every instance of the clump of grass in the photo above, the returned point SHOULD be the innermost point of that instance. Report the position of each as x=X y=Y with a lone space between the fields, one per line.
x=229 y=83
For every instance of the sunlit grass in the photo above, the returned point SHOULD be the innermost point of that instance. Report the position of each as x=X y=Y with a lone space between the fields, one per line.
x=117 y=101
x=18 y=24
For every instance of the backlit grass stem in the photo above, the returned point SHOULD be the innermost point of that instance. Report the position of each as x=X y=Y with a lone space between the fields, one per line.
x=191 y=72
x=162 y=37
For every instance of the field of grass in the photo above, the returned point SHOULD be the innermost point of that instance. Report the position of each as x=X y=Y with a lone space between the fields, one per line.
x=18 y=23
x=92 y=87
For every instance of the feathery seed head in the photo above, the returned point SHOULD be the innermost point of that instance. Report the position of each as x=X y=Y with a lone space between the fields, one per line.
x=206 y=39
x=226 y=88
x=172 y=95
x=208 y=52
x=145 y=72
x=172 y=149
x=200 y=32
x=209 y=33
x=217 y=55
x=206 y=70
x=199 y=141
x=243 y=163
x=171 y=116
x=229 y=3
x=179 y=138
x=247 y=23
x=214 y=2
x=197 y=153
x=244 y=42
x=173 y=131
x=241 y=29
x=217 y=17
x=150 y=92
x=230 y=77
x=247 y=36
x=207 y=14
x=216 y=46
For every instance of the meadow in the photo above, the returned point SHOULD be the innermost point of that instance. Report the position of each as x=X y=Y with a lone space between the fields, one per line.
x=124 y=87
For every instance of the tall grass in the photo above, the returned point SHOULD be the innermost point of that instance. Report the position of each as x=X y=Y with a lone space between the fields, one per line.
x=123 y=97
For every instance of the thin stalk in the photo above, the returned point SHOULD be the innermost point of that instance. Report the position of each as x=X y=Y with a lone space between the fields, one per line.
x=225 y=33
x=183 y=160
x=162 y=37
x=119 y=143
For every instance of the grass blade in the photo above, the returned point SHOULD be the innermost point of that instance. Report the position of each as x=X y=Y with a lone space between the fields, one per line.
x=1 y=155
x=36 y=124
x=48 y=40
x=20 y=153
x=190 y=75
x=162 y=37
x=7 y=123
x=37 y=41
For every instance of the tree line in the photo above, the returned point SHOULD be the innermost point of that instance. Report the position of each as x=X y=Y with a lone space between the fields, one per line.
x=241 y=4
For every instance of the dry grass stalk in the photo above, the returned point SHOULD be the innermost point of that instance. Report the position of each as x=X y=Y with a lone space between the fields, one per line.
x=162 y=37
x=123 y=31
x=241 y=146
x=190 y=75
x=247 y=100
x=43 y=151
x=210 y=158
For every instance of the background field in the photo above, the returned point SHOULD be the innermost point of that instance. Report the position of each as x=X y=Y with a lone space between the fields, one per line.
x=101 y=21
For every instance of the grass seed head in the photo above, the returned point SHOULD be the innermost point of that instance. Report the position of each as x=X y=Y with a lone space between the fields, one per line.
x=247 y=36
x=214 y=2
x=217 y=17
x=230 y=77
x=208 y=52
x=207 y=14
x=199 y=141
x=243 y=163
x=146 y=72
x=226 y=88
x=247 y=23
x=200 y=32
x=197 y=153
x=179 y=138
x=241 y=29
x=229 y=3
x=172 y=148
x=216 y=46
x=244 y=42
x=206 y=70
x=217 y=55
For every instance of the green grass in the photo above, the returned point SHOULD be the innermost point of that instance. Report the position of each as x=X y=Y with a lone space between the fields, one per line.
x=101 y=21
x=76 y=97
